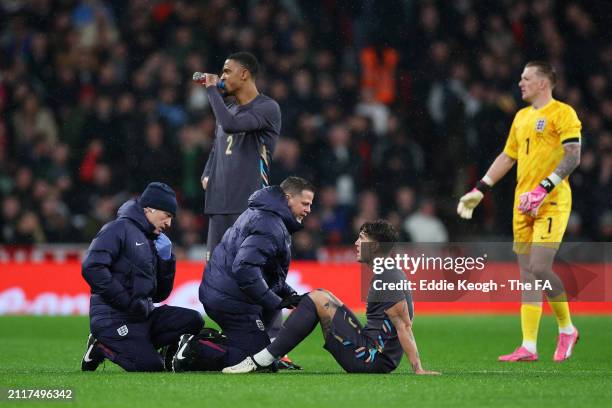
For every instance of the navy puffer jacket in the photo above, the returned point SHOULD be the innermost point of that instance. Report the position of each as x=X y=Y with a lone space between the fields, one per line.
x=122 y=267
x=247 y=270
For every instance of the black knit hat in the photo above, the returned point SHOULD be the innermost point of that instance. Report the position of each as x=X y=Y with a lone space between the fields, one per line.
x=159 y=196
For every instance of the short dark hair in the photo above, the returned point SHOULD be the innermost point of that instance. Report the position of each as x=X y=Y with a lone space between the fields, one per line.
x=295 y=185
x=546 y=69
x=380 y=231
x=247 y=60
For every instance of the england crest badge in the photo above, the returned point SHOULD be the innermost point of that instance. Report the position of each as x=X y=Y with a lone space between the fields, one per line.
x=540 y=125
x=123 y=330
x=260 y=325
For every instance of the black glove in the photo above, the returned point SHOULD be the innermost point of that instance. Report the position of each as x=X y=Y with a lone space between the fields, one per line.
x=290 y=301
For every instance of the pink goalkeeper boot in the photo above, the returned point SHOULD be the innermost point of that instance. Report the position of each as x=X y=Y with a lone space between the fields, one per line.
x=565 y=345
x=520 y=354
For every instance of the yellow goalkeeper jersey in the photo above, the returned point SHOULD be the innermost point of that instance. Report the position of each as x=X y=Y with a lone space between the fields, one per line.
x=536 y=142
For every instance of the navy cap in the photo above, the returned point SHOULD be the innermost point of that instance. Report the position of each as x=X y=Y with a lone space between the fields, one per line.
x=159 y=196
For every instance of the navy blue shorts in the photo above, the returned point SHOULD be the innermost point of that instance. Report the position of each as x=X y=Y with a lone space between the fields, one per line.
x=354 y=351
x=133 y=345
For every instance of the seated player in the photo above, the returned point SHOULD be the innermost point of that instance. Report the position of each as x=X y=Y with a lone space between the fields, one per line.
x=375 y=348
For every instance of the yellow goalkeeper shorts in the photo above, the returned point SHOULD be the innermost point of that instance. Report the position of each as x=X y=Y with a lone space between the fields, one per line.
x=545 y=229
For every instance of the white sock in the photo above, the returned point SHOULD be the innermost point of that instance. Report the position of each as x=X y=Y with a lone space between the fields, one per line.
x=530 y=346
x=567 y=330
x=264 y=358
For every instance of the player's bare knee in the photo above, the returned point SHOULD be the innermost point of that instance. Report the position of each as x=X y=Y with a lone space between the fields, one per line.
x=323 y=296
x=318 y=296
x=334 y=299
x=326 y=306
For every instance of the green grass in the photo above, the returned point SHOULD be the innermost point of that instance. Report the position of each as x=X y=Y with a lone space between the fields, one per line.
x=45 y=352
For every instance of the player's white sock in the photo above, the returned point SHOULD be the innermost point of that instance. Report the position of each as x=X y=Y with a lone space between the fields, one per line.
x=264 y=358
x=530 y=346
x=567 y=330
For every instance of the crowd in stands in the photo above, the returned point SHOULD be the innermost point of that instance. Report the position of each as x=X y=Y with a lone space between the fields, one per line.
x=393 y=108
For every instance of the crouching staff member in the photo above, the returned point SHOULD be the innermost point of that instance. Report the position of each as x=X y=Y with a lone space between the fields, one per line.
x=129 y=266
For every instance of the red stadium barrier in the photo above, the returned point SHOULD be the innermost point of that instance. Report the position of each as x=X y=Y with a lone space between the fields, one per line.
x=57 y=288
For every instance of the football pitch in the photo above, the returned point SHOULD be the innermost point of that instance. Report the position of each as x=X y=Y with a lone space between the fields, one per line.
x=45 y=353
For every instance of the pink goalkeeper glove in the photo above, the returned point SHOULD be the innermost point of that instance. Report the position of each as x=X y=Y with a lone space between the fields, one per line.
x=531 y=201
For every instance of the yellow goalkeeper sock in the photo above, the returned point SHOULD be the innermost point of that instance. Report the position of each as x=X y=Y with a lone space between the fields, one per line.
x=530 y=323
x=560 y=308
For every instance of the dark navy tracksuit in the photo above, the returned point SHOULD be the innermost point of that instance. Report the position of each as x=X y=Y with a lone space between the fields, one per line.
x=126 y=277
x=244 y=281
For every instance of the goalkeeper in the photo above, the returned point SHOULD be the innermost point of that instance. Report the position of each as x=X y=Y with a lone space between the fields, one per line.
x=545 y=142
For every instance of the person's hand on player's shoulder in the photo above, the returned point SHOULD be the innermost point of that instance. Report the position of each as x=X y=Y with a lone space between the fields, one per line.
x=205 y=183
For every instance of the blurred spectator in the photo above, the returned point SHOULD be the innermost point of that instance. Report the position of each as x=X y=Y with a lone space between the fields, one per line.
x=155 y=160
x=94 y=22
x=287 y=161
x=424 y=226
x=377 y=112
x=29 y=231
x=406 y=99
x=56 y=223
x=24 y=180
x=191 y=159
x=379 y=70
x=405 y=201
x=605 y=226
x=303 y=246
x=169 y=109
x=10 y=213
x=340 y=165
x=574 y=228
x=188 y=228
x=334 y=217
x=103 y=210
x=58 y=173
x=91 y=159
x=32 y=121
x=401 y=161
x=368 y=210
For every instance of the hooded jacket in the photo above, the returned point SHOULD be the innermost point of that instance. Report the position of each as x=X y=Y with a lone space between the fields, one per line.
x=247 y=270
x=123 y=269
